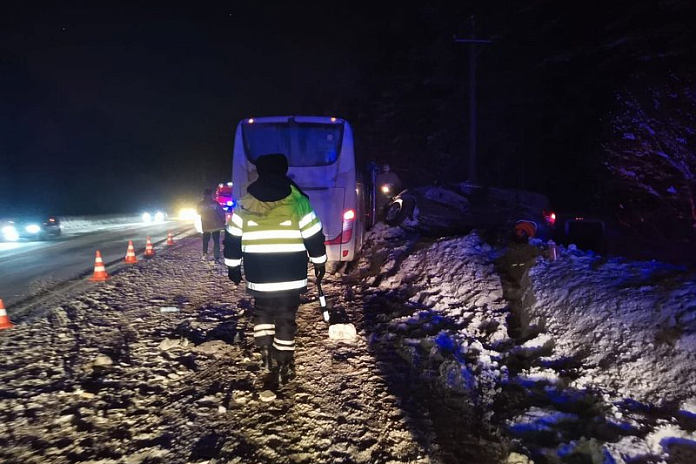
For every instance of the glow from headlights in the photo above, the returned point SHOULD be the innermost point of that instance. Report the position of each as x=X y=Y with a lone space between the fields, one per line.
x=33 y=229
x=188 y=214
x=159 y=216
x=10 y=233
x=147 y=217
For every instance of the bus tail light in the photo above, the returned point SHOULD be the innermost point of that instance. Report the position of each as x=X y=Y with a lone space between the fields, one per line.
x=346 y=230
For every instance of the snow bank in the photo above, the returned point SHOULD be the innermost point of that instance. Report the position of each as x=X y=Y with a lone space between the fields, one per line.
x=605 y=372
x=630 y=327
x=454 y=305
x=633 y=323
x=85 y=223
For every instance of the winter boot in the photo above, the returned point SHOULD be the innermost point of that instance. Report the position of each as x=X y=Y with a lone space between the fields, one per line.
x=266 y=358
x=286 y=371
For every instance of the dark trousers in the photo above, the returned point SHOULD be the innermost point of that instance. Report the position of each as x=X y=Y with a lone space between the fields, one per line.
x=275 y=326
x=216 y=242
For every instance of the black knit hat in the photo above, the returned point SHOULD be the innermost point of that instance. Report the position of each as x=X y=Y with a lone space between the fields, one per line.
x=275 y=163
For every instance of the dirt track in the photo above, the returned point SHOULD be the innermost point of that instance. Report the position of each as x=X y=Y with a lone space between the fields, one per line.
x=196 y=397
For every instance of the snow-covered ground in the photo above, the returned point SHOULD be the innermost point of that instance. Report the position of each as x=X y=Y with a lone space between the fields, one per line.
x=86 y=224
x=115 y=375
x=632 y=328
x=92 y=223
x=586 y=359
x=466 y=353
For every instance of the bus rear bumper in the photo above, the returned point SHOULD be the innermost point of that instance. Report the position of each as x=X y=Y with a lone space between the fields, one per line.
x=343 y=252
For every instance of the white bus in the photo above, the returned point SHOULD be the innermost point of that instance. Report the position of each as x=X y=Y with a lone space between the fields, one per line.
x=321 y=156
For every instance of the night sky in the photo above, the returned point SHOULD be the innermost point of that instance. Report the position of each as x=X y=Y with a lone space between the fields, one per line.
x=111 y=107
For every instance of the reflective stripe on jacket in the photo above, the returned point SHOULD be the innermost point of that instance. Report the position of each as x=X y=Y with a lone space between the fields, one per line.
x=275 y=240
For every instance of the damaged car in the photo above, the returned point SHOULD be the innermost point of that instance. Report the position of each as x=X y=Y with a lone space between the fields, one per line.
x=458 y=208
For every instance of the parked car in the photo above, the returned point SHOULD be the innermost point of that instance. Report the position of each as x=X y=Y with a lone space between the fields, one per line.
x=29 y=228
x=458 y=208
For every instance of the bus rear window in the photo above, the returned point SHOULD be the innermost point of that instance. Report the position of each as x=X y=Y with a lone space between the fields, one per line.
x=304 y=144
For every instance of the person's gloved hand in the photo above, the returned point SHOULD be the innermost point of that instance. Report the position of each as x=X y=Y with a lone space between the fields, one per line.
x=235 y=274
x=319 y=270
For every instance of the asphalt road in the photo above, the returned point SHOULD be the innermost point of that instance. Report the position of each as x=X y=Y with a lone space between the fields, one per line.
x=32 y=269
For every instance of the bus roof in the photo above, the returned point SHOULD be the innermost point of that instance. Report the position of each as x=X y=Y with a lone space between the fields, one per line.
x=307 y=119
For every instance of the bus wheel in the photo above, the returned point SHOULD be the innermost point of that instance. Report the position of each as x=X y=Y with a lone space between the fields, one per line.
x=335 y=267
x=398 y=210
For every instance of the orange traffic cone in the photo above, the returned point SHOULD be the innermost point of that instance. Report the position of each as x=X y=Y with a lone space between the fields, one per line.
x=130 y=253
x=4 y=320
x=100 y=274
x=149 y=251
x=170 y=239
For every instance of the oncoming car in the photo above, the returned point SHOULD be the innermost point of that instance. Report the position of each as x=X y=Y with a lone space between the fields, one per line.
x=456 y=208
x=29 y=228
x=155 y=215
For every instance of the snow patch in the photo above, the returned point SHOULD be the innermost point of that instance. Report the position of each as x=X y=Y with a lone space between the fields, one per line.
x=72 y=224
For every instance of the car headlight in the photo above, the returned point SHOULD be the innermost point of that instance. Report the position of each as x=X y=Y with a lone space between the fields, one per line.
x=10 y=233
x=147 y=217
x=159 y=216
x=33 y=229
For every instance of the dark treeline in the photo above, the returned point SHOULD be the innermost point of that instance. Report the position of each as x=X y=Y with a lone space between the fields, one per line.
x=552 y=90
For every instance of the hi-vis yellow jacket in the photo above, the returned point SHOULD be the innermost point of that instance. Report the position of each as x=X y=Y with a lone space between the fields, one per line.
x=274 y=240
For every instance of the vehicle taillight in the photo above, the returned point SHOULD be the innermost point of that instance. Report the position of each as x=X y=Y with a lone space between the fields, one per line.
x=346 y=229
x=550 y=217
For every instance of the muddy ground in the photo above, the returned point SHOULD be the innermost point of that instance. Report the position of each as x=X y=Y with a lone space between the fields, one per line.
x=107 y=377
x=446 y=369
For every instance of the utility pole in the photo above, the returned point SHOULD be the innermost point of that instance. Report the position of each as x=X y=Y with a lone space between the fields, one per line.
x=472 y=41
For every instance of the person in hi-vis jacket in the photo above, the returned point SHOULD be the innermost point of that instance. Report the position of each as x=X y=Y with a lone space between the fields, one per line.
x=210 y=221
x=273 y=231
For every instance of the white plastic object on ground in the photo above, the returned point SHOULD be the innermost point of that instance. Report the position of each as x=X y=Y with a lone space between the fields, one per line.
x=342 y=332
x=169 y=309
